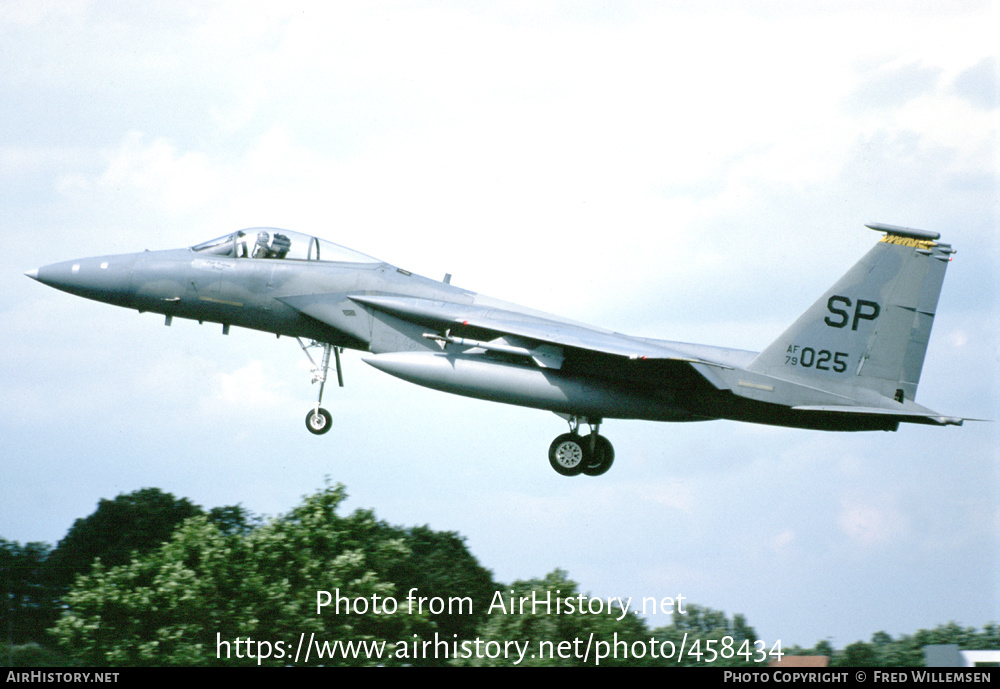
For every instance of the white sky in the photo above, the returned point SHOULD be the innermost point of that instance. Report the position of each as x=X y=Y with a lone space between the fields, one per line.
x=693 y=172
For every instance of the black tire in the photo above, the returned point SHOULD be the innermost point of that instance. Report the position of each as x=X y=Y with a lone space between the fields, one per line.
x=601 y=457
x=568 y=454
x=319 y=421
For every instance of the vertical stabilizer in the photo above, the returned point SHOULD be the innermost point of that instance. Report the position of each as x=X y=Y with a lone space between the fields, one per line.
x=870 y=330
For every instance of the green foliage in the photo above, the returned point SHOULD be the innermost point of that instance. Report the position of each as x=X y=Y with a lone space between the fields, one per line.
x=883 y=651
x=34 y=578
x=234 y=519
x=555 y=639
x=967 y=638
x=166 y=583
x=709 y=638
x=822 y=648
x=440 y=565
x=32 y=655
x=190 y=600
x=137 y=521
x=859 y=654
x=27 y=600
x=908 y=650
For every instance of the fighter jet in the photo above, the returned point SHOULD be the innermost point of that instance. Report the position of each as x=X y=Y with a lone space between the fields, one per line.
x=851 y=362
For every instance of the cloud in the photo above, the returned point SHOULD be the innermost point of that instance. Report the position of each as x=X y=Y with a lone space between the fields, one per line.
x=893 y=86
x=980 y=84
x=869 y=524
x=782 y=542
x=250 y=389
x=181 y=180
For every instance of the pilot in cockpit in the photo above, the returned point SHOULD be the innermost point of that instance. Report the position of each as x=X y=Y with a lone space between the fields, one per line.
x=261 y=249
x=265 y=248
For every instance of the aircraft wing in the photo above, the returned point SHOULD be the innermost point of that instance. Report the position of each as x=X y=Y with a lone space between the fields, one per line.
x=443 y=315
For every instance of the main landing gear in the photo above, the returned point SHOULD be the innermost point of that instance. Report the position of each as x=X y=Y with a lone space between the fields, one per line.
x=319 y=420
x=571 y=454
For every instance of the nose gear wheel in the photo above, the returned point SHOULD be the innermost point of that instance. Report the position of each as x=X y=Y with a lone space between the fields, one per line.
x=319 y=421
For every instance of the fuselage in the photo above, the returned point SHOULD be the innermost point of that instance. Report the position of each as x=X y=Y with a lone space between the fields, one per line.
x=412 y=328
x=243 y=292
x=271 y=295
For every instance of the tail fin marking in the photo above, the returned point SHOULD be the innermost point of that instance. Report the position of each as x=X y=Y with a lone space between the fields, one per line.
x=871 y=329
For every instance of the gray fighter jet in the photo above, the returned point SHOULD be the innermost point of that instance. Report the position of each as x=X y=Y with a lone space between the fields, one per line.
x=851 y=362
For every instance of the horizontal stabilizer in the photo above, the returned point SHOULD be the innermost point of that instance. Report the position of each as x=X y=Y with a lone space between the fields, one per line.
x=926 y=416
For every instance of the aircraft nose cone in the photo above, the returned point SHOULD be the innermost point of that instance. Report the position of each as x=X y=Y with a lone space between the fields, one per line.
x=103 y=278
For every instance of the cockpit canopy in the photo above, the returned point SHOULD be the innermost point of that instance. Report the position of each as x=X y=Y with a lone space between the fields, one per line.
x=271 y=242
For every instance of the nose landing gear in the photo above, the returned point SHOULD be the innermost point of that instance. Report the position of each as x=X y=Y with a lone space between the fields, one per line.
x=571 y=454
x=319 y=420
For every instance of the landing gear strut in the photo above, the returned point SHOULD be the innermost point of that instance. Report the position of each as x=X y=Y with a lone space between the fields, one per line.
x=319 y=420
x=602 y=455
x=571 y=454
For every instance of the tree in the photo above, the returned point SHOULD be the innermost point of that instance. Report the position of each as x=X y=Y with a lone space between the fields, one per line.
x=26 y=596
x=858 y=654
x=440 y=566
x=709 y=638
x=908 y=650
x=823 y=648
x=204 y=596
x=33 y=578
x=552 y=624
x=234 y=519
x=133 y=522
